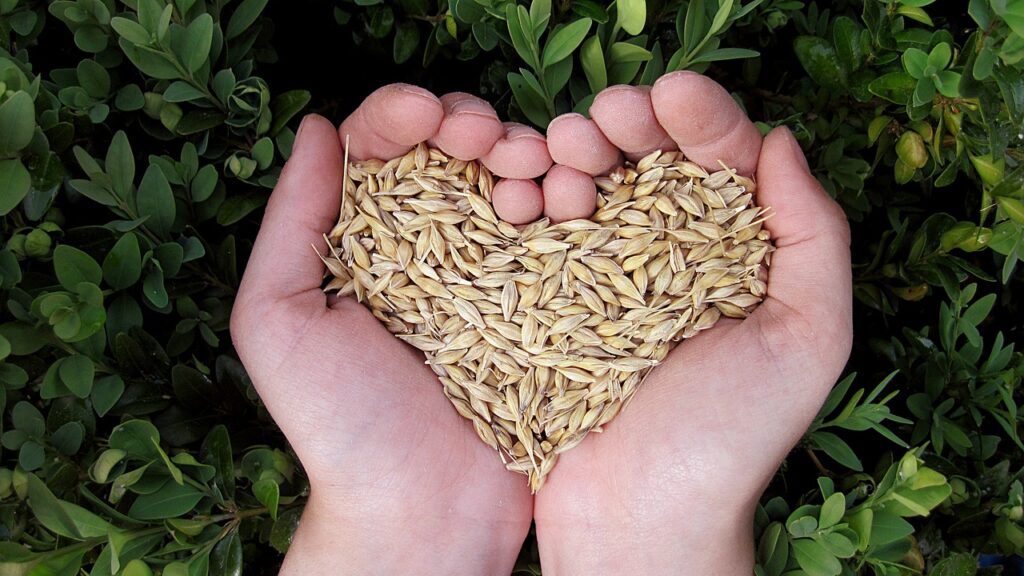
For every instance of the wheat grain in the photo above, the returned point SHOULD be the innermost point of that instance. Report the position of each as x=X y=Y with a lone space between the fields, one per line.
x=541 y=334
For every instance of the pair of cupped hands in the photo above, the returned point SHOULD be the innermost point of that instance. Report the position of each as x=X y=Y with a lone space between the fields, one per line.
x=400 y=484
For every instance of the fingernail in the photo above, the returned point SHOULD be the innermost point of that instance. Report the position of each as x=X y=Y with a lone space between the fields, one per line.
x=298 y=133
x=474 y=107
x=417 y=91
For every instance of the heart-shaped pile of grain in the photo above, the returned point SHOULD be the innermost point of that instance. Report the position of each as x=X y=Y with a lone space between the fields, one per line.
x=541 y=334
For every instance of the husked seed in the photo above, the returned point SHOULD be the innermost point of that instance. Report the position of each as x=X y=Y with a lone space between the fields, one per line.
x=541 y=334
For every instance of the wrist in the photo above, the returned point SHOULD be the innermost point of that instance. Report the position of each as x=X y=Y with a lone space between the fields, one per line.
x=399 y=538
x=696 y=542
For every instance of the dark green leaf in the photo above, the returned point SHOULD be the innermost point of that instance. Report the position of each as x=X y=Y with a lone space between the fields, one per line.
x=77 y=372
x=837 y=449
x=123 y=265
x=15 y=182
x=155 y=201
x=17 y=123
x=68 y=438
x=73 y=267
x=198 y=39
x=172 y=501
x=244 y=17
x=136 y=438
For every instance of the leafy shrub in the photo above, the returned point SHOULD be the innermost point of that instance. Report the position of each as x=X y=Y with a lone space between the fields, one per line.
x=139 y=140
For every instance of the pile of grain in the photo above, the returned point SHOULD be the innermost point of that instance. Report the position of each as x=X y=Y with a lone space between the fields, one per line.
x=541 y=334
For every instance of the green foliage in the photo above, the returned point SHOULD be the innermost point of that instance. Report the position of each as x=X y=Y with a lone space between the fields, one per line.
x=135 y=160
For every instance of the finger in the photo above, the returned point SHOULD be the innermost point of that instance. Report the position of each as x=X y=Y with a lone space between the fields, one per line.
x=568 y=194
x=626 y=117
x=517 y=201
x=470 y=127
x=391 y=120
x=303 y=206
x=705 y=121
x=577 y=142
x=810 y=289
x=521 y=153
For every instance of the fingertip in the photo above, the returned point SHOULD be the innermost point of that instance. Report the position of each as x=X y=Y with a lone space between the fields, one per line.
x=470 y=127
x=626 y=117
x=522 y=153
x=576 y=141
x=363 y=143
x=569 y=194
x=517 y=201
x=705 y=121
x=403 y=113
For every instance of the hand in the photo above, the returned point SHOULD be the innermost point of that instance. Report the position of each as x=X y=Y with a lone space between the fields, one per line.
x=400 y=484
x=671 y=485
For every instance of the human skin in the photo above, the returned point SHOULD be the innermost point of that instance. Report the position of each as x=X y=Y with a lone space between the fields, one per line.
x=399 y=482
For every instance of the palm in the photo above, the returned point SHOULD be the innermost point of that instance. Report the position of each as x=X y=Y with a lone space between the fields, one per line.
x=363 y=413
x=709 y=427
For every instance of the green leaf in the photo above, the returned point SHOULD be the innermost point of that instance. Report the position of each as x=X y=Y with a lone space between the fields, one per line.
x=819 y=59
x=15 y=182
x=721 y=16
x=691 y=25
x=284 y=529
x=832 y=511
x=153 y=287
x=268 y=493
x=773 y=549
x=136 y=438
x=915 y=61
x=130 y=30
x=914 y=13
x=237 y=207
x=155 y=200
x=530 y=101
x=407 y=39
x=93 y=78
x=837 y=449
x=77 y=372
x=153 y=63
x=564 y=42
x=720 y=54
x=182 y=91
x=172 y=501
x=522 y=38
x=244 y=17
x=887 y=527
x=846 y=36
x=17 y=122
x=632 y=15
x=28 y=419
x=120 y=165
x=122 y=267
x=64 y=518
x=106 y=392
x=624 y=52
x=957 y=564
x=540 y=13
x=226 y=557
x=73 y=267
x=198 y=39
x=68 y=438
x=592 y=58
x=896 y=87
x=216 y=451
x=814 y=559
x=31 y=456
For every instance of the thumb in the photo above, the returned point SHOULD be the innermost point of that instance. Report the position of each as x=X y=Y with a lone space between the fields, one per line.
x=810 y=292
